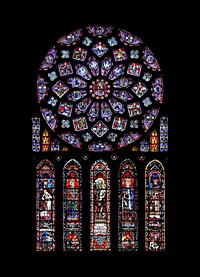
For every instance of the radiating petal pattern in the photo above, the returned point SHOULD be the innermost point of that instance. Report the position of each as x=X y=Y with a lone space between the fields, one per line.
x=101 y=80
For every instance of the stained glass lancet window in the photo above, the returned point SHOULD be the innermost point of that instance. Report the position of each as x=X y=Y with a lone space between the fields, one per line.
x=36 y=133
x=128 y=206
x=45 y=206
x=45 y=141
x=164 y=134
x=154 y=206
x=100 y=206
x=72 y=206
x=154 y=141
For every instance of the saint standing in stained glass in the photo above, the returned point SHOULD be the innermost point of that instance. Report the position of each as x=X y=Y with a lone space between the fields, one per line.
x=72 y=206
x=100 y=206
x=45 y=207
x=127 y=207
x=154 y=206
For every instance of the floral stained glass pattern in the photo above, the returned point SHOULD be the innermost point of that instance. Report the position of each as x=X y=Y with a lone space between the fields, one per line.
x=127 y=207
x=106 y=76
x=72 y=206
x=45 y=206
x=154 y=206
x=100 y=206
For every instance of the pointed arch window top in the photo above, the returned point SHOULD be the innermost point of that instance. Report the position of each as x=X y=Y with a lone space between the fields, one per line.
x=156 y=165
x=45 y=165
x=100 y=165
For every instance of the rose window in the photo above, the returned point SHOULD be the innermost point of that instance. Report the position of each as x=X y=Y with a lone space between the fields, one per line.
x=99 y=88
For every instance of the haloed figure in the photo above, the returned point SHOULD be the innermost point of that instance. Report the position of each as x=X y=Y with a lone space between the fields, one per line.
x=48 y=199
x=101 y=196
x=155 y=184
x=155 y=181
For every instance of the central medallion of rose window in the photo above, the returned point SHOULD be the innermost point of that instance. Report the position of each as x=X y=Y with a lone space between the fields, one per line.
x=100 y=89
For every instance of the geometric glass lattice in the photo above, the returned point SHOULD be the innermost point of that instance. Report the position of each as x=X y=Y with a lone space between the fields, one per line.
x=164 y=134
x=99 y=129
x=60 y=88
x=99 y=49
x=36 y=133
x=139 y=89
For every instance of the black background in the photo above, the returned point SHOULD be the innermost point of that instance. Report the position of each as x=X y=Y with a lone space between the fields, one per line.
x=38 y=29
